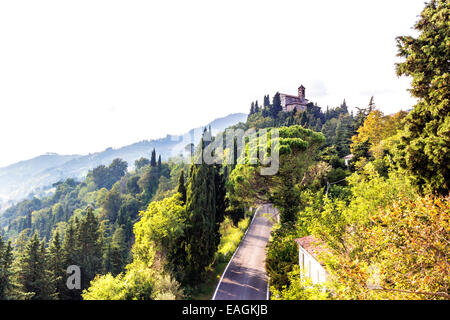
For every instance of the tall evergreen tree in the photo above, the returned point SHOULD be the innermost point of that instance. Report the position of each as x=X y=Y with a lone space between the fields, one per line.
x=220 y=201
x=89 y=247
x=362 y=113
x=116 y=252
x=56 y=265
x=6 y=260
x=181 y=187
x=256 y=110
x=200 y=233
x=424 y=150
x=153 y=158
x=276 y=105
x=266 y=102
x=33 y=279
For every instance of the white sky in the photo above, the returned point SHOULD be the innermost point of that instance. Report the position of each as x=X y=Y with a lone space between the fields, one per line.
x=81 y=76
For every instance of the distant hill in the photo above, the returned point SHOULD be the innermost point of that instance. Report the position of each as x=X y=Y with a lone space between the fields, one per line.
x=36 y=176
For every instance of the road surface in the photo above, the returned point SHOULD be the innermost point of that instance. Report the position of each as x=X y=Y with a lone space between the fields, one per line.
x=245 y=277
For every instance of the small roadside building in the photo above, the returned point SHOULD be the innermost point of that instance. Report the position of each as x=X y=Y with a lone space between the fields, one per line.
x=347 y=159
x=308 y=250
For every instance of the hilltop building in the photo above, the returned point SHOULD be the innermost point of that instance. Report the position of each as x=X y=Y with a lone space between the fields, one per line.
x=290 y=102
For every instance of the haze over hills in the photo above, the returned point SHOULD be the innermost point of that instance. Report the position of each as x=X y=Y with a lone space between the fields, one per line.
x=36 y=176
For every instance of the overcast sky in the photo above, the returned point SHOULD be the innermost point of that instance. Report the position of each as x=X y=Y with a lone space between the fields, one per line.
x=81 y=76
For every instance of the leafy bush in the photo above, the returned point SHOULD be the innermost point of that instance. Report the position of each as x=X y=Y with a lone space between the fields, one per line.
x=282 y=255
x=231 y=236
x=300 y=288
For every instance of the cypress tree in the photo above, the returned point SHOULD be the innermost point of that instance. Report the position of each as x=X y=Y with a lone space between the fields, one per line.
x=181 y=187
x=201 y=211
x=221 y=205
x=266 y=102
x=276 y=105
x=153 y=158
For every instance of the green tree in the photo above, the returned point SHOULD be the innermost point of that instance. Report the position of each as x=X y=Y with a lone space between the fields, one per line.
x=32 y=277
x=56 y=265
x=118 y=253
x=252 y=108
x=148 y=183
x=129 y=209
x=133 y=186
x=276 y=105
x=117 y=170
x=89 y=248
x=153 y=158
x=6 y=260
x=200 y=232
x=425 y=141
x=266 y=101
x=181 y=187
x=141 y=162
x=112 y=204
x=220 y=201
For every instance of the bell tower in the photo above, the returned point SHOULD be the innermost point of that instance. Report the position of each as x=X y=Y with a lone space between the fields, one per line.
x=301 y=92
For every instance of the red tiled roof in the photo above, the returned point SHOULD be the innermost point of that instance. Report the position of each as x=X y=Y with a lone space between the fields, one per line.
x=312 y=245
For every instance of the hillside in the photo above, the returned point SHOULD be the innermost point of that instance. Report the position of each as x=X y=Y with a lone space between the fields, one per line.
x=36 y=175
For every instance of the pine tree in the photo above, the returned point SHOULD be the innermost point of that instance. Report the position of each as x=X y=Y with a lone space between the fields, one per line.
x=6 y=260
x=107 y=265
x=159 y=162
x=252 y=108
x=69 y=245
x=256 y=110
x=32 y=276
x=48 y=288
x=56 y=265
x=118 y=251
x=89 y=247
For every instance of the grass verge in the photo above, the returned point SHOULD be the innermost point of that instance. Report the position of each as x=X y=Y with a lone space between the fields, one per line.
x=230 y=238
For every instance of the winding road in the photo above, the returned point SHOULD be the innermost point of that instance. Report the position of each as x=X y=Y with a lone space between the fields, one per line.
x=245 y=276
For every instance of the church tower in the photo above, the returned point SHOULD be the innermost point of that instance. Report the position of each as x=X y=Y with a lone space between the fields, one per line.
x=301 y=92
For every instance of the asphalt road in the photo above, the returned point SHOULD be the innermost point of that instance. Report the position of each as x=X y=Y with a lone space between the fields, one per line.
x=245 y=277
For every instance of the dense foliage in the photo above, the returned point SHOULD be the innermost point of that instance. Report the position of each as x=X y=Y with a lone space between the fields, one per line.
x=424 y=149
